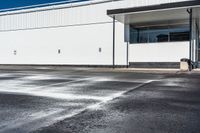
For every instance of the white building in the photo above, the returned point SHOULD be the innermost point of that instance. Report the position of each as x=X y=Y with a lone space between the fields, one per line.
x=138 y=33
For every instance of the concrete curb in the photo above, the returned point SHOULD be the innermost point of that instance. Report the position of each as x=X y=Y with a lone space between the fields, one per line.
x=139 y=70
x=93 y=69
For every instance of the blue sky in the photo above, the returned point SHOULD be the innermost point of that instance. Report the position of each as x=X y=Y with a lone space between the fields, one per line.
x=7 y=4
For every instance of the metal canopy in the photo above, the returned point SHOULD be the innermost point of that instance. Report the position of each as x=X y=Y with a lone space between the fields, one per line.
x=163 y=12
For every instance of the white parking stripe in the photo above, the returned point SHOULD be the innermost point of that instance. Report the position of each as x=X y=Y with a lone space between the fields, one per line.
x=42 y=119
x=55 y=117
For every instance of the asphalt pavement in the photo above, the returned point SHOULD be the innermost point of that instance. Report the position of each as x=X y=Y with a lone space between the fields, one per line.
x=80 y=100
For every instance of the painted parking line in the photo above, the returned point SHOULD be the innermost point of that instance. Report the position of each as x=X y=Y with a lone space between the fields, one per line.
x=14 y=85
x=68 y=91
x=55 y=116
x=41 y=90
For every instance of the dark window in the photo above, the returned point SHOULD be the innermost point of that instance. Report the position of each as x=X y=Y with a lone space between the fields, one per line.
x=143 y=35
x=179 y=33
x=134 y=35
x=159 y=34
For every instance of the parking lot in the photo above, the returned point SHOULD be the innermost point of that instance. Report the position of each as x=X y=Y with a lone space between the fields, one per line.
x=73 y=100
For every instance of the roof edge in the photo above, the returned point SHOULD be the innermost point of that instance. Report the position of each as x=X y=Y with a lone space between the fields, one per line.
x=154 y=7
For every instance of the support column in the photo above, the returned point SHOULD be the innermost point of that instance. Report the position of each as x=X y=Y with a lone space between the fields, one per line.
x=127 y=40
x=191 y=38
x=113 y=42
x=190 y=21
x=127 y=54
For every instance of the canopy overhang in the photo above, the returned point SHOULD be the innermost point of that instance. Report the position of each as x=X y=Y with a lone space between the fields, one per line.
x=154 y=13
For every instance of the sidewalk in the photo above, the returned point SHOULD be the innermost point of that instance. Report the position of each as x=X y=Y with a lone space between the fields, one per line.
x=142 y=70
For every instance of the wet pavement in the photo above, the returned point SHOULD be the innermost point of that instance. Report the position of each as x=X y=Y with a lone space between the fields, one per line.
x=78 y=100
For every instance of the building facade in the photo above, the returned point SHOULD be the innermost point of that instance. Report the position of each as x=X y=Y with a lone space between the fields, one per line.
x=135 y=33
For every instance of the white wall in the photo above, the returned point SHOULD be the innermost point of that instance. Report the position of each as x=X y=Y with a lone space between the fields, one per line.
x=83 y=31
x=159 y=52
x=78 y=31
x=79 y=45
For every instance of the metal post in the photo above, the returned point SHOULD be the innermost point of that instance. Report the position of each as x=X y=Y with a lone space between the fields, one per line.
x=190 y=49
x=127 y=54
x=190 y=34
x=113 y=42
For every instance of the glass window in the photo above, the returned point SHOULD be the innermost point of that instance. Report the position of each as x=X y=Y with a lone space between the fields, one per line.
x=179 y=33
x=143 y=35
x=134 y=35
x=138 y=35
x=159 y=34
